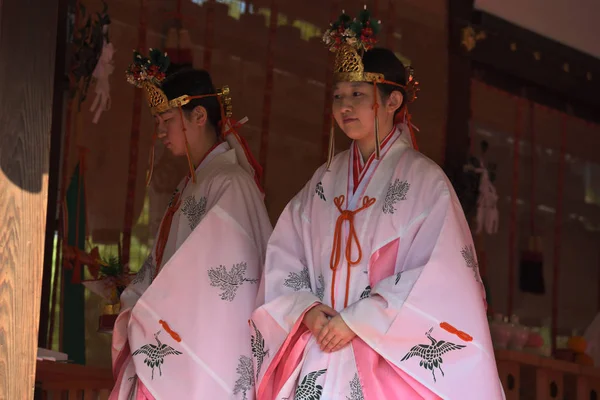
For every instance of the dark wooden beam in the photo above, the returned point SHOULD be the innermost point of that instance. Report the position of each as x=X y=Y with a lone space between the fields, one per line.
x=27 y=49
x=513 y=58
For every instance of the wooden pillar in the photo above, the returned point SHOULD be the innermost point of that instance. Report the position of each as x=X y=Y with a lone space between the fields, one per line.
x=459 y=91
x=27 y=51
x=60 y=94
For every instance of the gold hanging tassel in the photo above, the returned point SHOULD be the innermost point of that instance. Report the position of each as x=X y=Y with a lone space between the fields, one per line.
x=190 y=164
x=331 y=150
x=187 y=149
x=377 y=141
x=151 y=162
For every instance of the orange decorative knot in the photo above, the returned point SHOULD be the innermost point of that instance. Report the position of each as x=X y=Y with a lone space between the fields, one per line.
x=462 y=335
x=170 y=331
x=336 y=251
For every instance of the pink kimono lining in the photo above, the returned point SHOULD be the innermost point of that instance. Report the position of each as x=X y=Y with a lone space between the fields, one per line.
x=379 y=378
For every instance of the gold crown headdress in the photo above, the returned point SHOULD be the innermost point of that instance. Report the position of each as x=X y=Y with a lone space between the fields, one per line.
x=149 y=73
x=350 y=39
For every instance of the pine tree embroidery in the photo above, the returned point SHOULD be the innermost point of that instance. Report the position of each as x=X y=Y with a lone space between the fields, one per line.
x=366 y=293
x=245 y=380
x=298 y=281
x=194 y=210
x=308 y=388
x=471 y=261
x=320 y=191
x=320 y=292
x=396 y=192
x=356 y=392
x=147 y=270
x=229 y=281
x=258 y=348
x=155 y=355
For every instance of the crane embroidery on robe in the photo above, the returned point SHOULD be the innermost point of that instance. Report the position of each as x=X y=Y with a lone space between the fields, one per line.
x=229 y=281
x=298 y=281
x=320 y=292
x=308 y=388
x=194 y=210
x=396 y=192
x=245 y=381
x=258 y=348
x=320 y=191
x=155 y=355
x=431 y=354
x=470 y=259
x=147 y=269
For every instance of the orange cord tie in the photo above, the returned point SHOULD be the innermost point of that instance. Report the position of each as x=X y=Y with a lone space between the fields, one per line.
x=408 y=119
x=170 y=331
x=151 y=162
x=187 y=148
x=163 y=233
x=336 y=251
x=462 y=335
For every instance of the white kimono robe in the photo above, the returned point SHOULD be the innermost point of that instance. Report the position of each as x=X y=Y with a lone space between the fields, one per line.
x=183 y=330
x=412 y=294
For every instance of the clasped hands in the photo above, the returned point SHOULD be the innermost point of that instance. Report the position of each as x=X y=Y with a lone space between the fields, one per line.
x=328 y=328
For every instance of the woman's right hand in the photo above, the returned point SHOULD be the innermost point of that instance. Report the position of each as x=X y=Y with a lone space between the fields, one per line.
x=317 y=317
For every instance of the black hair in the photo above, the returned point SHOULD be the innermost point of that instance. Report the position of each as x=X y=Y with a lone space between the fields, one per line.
x=183 y=79
x=384 y=61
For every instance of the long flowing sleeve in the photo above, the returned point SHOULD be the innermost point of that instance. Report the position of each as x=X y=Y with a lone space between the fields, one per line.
x=290 y=291
x=204 y=295
x=433 y=300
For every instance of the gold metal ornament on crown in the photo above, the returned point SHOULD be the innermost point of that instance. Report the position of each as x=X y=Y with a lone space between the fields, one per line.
x=225 y=101
x=159 y=103
x=350 y=39
x=348 y=67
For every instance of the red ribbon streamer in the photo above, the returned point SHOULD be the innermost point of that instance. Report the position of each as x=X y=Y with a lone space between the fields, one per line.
x=268 y=94
x=513 y=205
x=134 y=145
x=532 y=202
x=557 y=227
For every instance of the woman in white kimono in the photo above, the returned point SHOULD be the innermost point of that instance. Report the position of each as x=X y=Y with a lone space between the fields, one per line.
x=372 y=289
x=183 y=331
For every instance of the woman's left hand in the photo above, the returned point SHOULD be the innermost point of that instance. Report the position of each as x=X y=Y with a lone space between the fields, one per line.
x=335 y=335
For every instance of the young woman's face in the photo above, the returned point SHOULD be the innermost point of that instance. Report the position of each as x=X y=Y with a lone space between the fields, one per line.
x=353 y=109
x=169 y=127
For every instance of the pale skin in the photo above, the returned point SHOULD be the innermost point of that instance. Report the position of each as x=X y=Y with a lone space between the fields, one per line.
x=201 y=135
x=353 y=111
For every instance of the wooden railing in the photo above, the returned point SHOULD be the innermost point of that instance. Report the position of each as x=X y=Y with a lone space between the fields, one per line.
x=530 y=377
x=59 y=381
x=524 y=377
